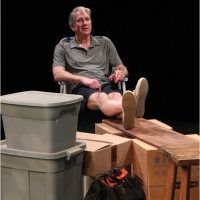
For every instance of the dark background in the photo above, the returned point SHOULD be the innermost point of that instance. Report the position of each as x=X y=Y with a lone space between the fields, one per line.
x=157 y=39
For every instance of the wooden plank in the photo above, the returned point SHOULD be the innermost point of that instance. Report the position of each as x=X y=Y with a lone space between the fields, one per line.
x=182 y=154
x=160 y=123
x=151 y=133
x=181 y=151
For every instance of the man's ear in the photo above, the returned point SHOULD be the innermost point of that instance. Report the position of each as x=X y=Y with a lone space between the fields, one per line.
x=72 y=26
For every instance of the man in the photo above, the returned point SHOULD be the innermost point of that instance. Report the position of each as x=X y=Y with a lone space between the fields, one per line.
x=84 y=63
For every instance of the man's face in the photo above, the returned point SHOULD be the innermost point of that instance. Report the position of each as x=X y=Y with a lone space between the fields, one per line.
x=82 y=24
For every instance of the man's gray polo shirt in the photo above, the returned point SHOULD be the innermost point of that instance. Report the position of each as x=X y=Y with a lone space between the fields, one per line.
x=92 y=63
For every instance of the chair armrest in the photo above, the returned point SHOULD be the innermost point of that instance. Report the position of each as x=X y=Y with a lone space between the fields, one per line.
x=63 y=87
x=122 y=84
x=125 y=79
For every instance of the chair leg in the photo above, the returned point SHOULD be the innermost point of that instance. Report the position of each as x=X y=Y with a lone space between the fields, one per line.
x=185 y=183
x=170 y=181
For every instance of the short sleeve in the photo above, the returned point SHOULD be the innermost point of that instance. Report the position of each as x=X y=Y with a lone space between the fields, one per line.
x=114 y=58
x=59 y=56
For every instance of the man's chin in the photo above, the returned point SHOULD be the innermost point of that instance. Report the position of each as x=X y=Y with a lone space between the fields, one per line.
x=86 y=33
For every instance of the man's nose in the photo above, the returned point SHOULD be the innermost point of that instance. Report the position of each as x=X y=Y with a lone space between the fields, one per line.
x=84 y=21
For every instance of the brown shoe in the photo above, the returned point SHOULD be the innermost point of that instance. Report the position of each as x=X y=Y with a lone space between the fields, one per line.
x=129 y=105
x=140 y=92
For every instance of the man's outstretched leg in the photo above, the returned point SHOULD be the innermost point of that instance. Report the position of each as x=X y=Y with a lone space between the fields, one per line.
x=133 y=103
x=129 y=106
x=140 y=92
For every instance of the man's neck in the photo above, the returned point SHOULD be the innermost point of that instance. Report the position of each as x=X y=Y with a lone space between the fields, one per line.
x=83 y=41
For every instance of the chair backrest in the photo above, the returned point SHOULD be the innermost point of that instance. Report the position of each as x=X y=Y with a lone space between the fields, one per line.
x=64 y=85
x=70 y=38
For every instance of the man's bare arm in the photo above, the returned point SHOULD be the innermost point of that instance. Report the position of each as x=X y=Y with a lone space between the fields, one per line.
x=123 y=69
x=60 y=74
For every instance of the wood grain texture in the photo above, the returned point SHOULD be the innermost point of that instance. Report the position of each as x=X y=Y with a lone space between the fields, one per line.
x=179 y=149
x=185 y=183
x=151 y=133
x=170 y=181
x=182 y=154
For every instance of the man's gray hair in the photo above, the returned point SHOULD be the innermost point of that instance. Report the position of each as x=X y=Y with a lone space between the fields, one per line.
x=72 y=15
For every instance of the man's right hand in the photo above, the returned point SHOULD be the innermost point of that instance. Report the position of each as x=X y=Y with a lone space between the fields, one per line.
x=61 y=75
x=91 y=83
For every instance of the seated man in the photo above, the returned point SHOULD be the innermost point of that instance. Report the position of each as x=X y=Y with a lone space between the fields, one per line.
x=84 y=62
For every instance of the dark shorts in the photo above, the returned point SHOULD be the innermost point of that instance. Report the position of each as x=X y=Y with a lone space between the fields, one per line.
x=86 y=92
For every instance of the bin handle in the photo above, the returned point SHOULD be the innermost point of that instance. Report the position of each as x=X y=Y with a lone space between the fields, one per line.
x=73 y=151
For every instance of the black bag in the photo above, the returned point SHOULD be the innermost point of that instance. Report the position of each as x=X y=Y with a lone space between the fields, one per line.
x=115 y=184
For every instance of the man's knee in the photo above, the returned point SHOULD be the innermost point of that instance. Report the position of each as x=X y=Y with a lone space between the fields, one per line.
x=96 y=99
x=97 y=96
x=103 y=95
x=115 y=95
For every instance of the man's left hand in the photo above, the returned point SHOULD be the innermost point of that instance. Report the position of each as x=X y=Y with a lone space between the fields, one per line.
x=117 y=76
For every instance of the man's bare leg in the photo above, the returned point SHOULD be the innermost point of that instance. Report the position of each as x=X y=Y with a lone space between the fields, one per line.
x=140 y=92
x=115 y=105
x=109 y=104
x=129 y=106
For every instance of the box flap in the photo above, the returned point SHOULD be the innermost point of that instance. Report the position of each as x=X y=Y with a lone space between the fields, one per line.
x=91 y=136
x=84 y=135
x=144 y=145
x=92 y=145
x=104 y=138
x=102 y=128
x=114 y=139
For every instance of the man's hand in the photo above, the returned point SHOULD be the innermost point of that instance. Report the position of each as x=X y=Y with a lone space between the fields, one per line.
x=91 y=83
x=117 y=76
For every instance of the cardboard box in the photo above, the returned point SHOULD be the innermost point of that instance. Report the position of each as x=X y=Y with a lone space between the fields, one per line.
x=157 y=192
x=121 y=148
x=102 y=128
x=151 y=166
x=159 y=123
x=96 y=157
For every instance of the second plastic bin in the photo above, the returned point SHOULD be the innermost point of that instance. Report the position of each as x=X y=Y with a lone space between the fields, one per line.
x=37 y=176
x=40 y=121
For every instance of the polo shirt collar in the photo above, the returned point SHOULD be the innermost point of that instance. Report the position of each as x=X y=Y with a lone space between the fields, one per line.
x=94 y=42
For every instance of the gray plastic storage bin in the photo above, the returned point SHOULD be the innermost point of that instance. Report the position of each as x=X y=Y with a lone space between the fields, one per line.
x=41 y=176
x=40 y=121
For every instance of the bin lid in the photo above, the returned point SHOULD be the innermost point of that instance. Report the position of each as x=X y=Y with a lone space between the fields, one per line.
x=78 y=148
x=41 y=99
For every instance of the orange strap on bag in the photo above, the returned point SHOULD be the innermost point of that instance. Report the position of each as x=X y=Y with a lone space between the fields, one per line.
x=114 y=178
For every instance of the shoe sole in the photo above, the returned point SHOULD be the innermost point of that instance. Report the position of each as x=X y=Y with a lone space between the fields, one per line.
x=141 y=91
x=129 y=105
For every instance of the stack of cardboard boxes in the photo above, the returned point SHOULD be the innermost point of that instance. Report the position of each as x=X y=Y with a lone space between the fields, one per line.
x=102 y=153
x=107 y=149
x=151 y=167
